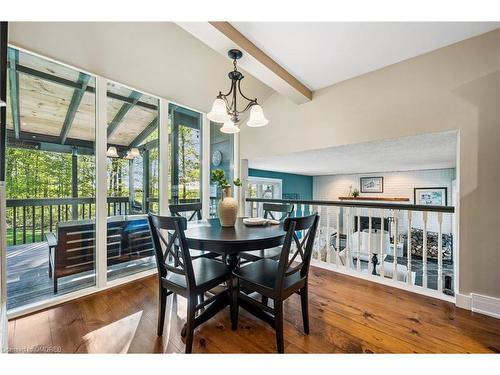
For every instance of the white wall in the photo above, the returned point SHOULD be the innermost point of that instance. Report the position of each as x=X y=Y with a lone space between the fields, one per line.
x=396 y=184
x=456 y=87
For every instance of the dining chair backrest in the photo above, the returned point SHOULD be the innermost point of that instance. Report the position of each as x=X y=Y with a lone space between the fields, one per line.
x=195 y=208
x=307 y=226
x=285 y=210
x=167 y=258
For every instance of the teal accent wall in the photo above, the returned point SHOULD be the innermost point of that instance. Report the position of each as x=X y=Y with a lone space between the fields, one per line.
x=291 y=183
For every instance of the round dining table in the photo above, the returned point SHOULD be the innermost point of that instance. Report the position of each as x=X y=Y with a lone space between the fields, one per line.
x=209 y=235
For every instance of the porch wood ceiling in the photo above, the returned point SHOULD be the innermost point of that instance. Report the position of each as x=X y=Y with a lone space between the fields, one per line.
x=52 y=103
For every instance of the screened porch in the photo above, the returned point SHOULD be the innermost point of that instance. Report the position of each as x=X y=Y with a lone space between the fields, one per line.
x=51 y=176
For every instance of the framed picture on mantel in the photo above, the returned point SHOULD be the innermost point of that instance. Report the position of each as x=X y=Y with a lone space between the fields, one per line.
x=431 y=196
x=371 y=184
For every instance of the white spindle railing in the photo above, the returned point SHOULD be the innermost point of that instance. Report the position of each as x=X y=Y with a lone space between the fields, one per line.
x=382 y=243
x=348 y=253
x=395 y=246
x=440 y=252
x=424 y=250
x=337 y=240
x=369 y=240
x=327 y=234
x=358 y=253
x=408 y=251
x=359 y=238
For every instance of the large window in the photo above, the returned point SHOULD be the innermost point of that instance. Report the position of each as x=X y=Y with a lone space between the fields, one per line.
x=222 y=151
x=261 y=187
x=53 y=178
x=50 y=179
x=185 y=154
x=132 y=184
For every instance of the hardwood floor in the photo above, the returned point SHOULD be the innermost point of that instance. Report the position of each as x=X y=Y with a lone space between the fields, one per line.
x=347 y=315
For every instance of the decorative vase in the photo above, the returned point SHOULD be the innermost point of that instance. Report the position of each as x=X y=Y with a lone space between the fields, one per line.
x=228 y=208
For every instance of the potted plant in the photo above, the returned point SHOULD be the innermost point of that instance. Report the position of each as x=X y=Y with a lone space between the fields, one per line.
x=228 y=206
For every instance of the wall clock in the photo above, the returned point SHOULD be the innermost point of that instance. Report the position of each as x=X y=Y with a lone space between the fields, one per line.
x=216 y=158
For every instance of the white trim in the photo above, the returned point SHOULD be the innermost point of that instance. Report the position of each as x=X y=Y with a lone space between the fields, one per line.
x=236 y=166
x=485 y=305
x=218 y=41
x=130 y=278
x=163 y=157
x=101 y=183
x=463 y=301
x=96 y=75
x=34 y=307
x=4 y=334
x=101 y=145
x=205 y=166
x=267 y=180
x=244 y=187
x=36 y=54
x=456 y=229
x=382 y=280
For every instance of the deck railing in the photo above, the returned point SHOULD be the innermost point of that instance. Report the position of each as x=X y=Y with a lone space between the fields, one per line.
x=29 y=219
x=371 y=240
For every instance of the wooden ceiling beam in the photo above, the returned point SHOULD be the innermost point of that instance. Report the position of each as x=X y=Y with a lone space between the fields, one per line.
x=76 y=99
x=144 y=134
x=13 y=57
x=76 y=85
x=32 y=140
x=222 y=36
x=113 y=125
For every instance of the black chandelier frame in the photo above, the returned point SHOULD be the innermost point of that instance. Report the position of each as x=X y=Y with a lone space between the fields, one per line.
x=235 y=76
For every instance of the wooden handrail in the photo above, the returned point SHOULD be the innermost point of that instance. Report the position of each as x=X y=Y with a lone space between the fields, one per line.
x=394 y=206
x=20 y=202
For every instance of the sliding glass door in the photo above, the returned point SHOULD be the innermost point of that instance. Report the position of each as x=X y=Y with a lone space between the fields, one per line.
x=221 y=157
x=50 y=179
x=60 y=245
x=132 y=183
x=3 y=253
x=185 y=155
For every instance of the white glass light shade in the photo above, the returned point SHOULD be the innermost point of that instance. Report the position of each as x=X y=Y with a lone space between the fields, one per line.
x=134 y=152
x=112 y=153
x=128 y=156
x=3 y=104
x=257 y=117
x=229 y=128
x=218 y=113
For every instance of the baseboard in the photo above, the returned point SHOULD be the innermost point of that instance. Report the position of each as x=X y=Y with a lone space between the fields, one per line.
x=464 y=301
x=485 y=305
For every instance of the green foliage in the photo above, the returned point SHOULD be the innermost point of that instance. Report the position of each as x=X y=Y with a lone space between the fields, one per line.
x=219 y=178
x=188 y=160
x=37 y=174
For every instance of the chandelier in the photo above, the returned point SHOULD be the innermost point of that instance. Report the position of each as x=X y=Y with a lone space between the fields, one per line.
x=224 y=110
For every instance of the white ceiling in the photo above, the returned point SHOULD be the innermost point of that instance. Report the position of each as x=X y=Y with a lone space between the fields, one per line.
x=428 y=151
x=323 y=53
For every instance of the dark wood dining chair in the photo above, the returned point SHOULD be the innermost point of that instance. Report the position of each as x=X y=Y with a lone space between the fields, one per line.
x=270 y=209
x=195 y=209
x=179 y=274
x=279 y=280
